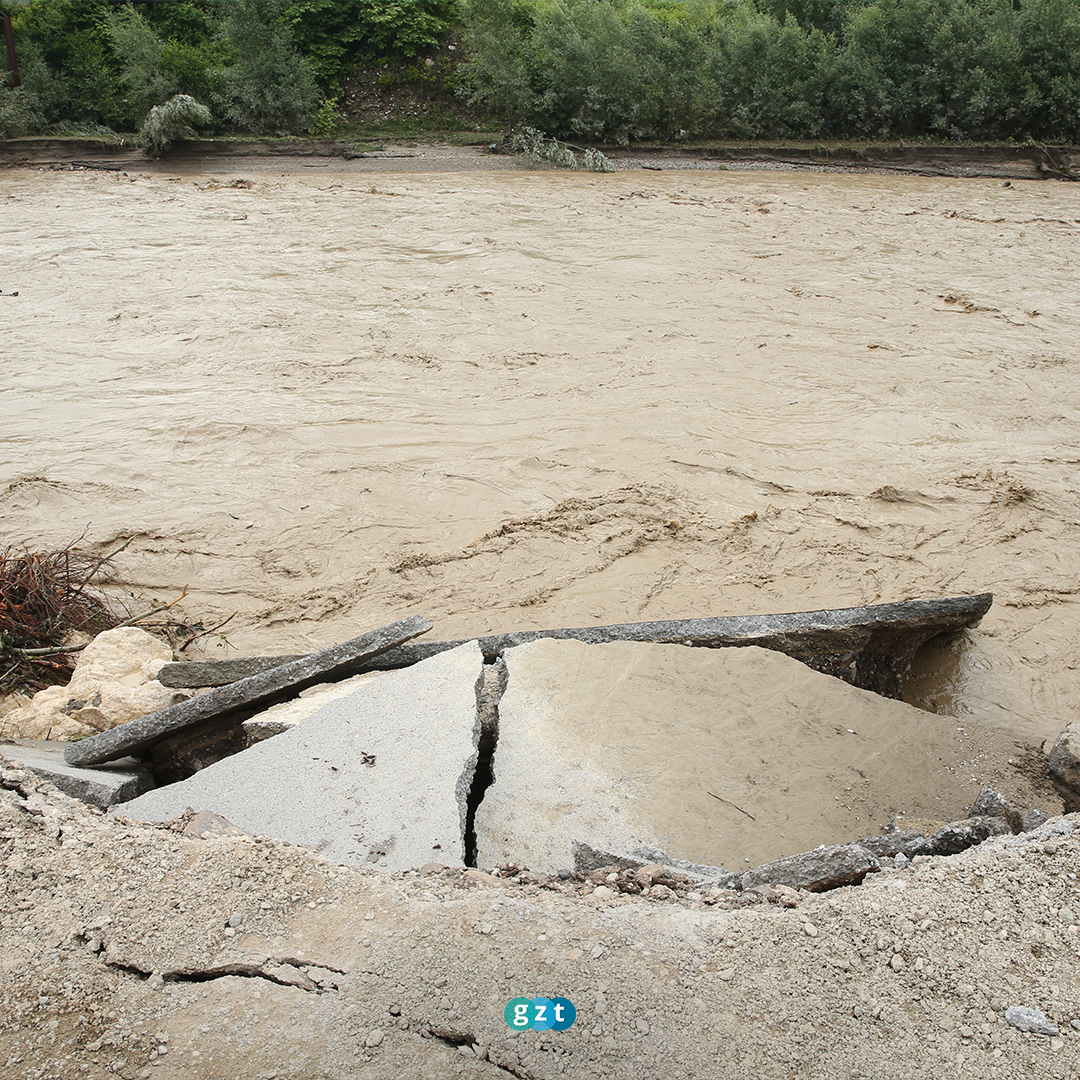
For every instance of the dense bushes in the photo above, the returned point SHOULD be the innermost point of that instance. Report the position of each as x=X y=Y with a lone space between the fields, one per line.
x=611 y=70
x=623 y=69
x=262 y=66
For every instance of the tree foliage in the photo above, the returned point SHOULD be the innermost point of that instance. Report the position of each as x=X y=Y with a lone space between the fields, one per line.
x=620 y=69
x=588 y=69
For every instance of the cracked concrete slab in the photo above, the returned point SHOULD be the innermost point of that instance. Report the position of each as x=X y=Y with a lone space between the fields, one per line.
x=728 y=758
x=381 y=776
x=103 y=786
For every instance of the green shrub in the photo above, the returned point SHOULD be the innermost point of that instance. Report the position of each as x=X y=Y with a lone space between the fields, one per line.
x=175 y=119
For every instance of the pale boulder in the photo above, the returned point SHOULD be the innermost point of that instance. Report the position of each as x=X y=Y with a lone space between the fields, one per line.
x=114 y=682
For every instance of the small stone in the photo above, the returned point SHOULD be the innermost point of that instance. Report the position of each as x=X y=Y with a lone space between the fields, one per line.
x=809 y=929
x=230 y=932
x=726 y=975
x=236 y=919
x=374 y=1038
x=989 y=804
x=1026 y=1019
x=1067 y=915
x=662 y=892
x=1056 y=1044
x=1032 y=819
x=966 y=1032
x=649 y=873
x=602 y=892
x=897 y=962
x=156 y=981
x=1075 y=1025
x=642 y=1026
x=395 y=1009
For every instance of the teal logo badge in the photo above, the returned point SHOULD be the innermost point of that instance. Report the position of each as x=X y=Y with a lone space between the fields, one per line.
x=539 y=1014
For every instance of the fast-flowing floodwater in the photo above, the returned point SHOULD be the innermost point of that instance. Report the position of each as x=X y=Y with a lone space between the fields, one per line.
x=512 y=399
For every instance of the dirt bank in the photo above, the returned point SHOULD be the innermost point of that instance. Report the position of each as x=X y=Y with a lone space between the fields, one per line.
x=131 y=951
x=1027 y=162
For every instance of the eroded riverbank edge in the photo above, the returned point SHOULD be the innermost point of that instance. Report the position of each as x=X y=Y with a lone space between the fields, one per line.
x=1021 y=162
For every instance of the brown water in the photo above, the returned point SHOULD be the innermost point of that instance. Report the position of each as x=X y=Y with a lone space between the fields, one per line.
x=512 y=400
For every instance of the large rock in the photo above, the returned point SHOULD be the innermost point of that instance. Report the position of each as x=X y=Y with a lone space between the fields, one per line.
x=723 y=757
x=1063 y=765
x=115 y=682
x=381 y=776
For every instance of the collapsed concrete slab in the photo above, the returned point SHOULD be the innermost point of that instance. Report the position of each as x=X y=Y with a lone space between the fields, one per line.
x=723 y=757
x=870 y=647
x=262 y=689
x=381 y=776
x=103 y=787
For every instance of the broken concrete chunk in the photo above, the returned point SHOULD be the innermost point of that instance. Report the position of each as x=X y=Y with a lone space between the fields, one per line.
x=381 y=776
x=278 y=684
x=1063 y=766
x=103 y=787
x=889 y=845
x=199 y=673
x=958 y=836
x=819 y=870
x=871 y=647
x=989 y=803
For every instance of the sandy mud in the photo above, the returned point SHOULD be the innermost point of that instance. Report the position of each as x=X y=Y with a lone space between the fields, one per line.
x=325 y=401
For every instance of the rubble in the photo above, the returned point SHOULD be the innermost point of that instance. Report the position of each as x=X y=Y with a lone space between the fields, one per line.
x=264 y=688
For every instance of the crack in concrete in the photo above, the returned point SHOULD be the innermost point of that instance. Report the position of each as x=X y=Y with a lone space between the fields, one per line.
x=490 y=688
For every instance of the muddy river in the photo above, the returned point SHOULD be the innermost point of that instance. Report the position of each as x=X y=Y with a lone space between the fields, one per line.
x=324 y=401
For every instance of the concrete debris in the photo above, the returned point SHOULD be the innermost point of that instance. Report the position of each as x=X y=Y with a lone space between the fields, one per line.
x=991 y=803
x=889 y=845
x=381 y=776
x=958 y=836
x=200 y=673
x=114 y=682
x=870 y=647
x=105 y=786
x=1063 y=765
x=819 y=870
x=266 y=688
